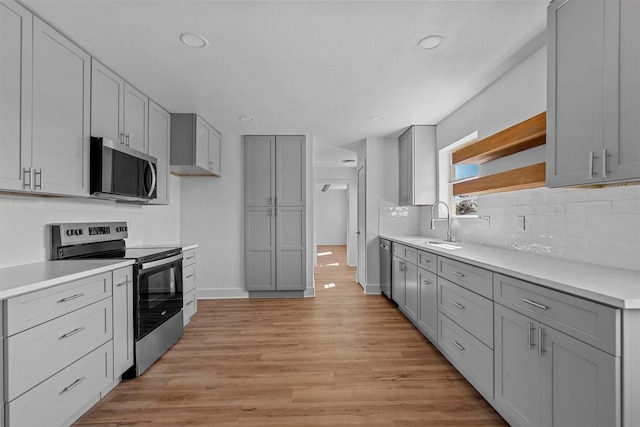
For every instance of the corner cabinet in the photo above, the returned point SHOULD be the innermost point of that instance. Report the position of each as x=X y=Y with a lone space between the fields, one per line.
x=275 y=214
x=593 y=92
x=417 y=166
x=196 y=147
x=45 y=135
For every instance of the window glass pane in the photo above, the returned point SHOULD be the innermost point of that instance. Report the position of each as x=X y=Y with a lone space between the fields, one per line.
x=465 y=171
x=466 y=205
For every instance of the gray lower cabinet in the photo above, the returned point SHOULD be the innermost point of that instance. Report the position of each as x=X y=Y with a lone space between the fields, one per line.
x=544 y=377
x=190 y=300
x=428 y=305
x=405 y=287
x=123 y=340
x=399 y=284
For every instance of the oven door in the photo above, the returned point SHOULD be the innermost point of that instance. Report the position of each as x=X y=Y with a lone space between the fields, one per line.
x=159 y=293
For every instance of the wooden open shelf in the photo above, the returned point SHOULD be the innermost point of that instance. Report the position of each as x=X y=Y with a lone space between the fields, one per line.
x=522 y=136
x=532 y=176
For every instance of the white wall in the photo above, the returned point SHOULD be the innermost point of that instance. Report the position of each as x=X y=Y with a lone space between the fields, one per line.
x=331 y=217
x=25 y=236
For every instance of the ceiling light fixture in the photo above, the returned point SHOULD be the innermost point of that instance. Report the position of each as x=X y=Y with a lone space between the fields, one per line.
x=430 y=42
x=194 y=40
x=246 y=118
x=376 y=118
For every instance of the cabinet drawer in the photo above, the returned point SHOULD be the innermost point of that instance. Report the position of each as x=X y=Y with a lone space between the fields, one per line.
x=188 y=278
x=590 y=322
x=473 y=359
x=428 y=261
x=34 y=355
x=474 y=278
x=190 y=305
x=407 y=253
x=54 y=401
x=188 y=257
x=469 y=310
x=26 y=311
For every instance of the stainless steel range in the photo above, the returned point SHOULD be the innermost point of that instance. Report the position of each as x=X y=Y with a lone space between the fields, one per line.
x=157 y=287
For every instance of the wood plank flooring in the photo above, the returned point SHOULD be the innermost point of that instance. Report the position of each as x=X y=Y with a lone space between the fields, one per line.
x=341 y=358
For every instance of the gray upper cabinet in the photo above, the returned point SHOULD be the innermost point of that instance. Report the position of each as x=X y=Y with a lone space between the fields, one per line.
x=15 y=96
x=593 y=93
x=417 y=166
x=159 y=138
x=275 y=217
x=61 y=109
x=119 y=111
x=196 y=147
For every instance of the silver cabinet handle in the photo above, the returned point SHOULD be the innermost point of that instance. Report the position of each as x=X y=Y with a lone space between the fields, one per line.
x=457 y=304
x=457 y=344
x=424 y=261
x=189 y=257
x=541 y=335
x=190 y=302
x=72 y=297
x=122 y=284
x=163 y=313
x=127 y=139
x=69 y=334
x=275 y=201
x=190 y=275
x=604 y=163
x=37 y=173
x=530 y=333
x=426 y=282
x=270 y=201
x=73 y=384
x=26 y=172
x=535 y=304
x=122 y=137
x=455 y=273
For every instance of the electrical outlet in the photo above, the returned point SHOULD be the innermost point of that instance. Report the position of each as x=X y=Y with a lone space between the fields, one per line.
x=521 y=223
x=486 y=220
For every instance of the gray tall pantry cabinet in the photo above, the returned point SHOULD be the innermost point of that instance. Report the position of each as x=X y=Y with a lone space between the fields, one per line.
x=275 y=209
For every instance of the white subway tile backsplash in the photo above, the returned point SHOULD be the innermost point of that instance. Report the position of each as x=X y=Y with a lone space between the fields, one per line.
x=552 y=208
x=558 y=219
x=598 y=207
x=625 y=206
x=568 y=195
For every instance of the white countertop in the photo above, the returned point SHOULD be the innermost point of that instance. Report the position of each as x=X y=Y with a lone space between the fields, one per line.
x=186 y=247
x=27 y=278
x=612 y=286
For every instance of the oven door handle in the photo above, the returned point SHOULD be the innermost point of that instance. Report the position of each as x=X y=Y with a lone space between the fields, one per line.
x=153 y=264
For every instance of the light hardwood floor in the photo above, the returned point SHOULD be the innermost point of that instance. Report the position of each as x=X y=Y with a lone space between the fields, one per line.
x=341 y=358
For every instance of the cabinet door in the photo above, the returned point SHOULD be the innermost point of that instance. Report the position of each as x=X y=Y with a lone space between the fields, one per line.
x=622 y=92
x=107 y=103
x=290 y=244
x=575 y=97
x=404 y=156
x=259 y=166
x=159 y=136
x=428 y=307
x=411 y=291
x=123 y=340
x=517 y=367
x=15 y=96
x=260 y=244
x=579 y=382
x=290 y=171
x=398 y=278
x=61 y=111
x=136 y=114
x=202 y=144
x=215 y=152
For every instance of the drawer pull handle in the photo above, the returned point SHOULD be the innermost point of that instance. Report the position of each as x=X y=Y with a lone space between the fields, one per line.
x=75 y=331
x=535 y=304
x=190 y=257
x=122 y=284
x=457 y=344
x=455 y=273
x=72 y=297
x=190 y=275
x=457 y=304
x=426 y=282
x=424 y=261
x=190 y=302
x=73 y=384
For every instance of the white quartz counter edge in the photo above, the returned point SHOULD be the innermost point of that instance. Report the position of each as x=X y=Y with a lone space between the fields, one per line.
x=27 y=278
x=188 y=247
x=612 y=286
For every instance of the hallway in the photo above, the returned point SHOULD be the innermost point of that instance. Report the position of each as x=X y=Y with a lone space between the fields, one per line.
x=341 y=358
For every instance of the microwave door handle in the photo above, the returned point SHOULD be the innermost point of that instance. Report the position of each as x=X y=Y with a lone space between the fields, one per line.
x=153 y=179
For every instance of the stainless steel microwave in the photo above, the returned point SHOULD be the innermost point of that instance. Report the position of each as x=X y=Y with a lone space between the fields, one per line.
x=120 y=173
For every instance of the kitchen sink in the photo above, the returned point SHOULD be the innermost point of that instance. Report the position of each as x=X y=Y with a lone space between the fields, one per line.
x=443 y=244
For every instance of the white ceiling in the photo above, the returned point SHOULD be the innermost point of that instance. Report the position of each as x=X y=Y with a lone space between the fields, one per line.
x=319 y=68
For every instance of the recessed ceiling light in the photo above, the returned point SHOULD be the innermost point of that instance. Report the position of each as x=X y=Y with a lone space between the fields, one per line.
x=194 y=40
x=246 y=118
x=376 y=118
x=430 y=42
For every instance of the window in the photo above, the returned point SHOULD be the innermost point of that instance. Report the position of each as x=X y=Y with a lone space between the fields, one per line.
x=465 y=205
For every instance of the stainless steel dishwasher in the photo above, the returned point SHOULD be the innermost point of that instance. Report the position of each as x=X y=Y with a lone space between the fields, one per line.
x=385 y=267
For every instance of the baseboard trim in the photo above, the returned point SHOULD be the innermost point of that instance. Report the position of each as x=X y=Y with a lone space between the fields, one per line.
x=372 y=290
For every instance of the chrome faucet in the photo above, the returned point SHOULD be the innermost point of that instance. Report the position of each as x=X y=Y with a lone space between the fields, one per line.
x=432 y=226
